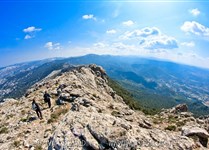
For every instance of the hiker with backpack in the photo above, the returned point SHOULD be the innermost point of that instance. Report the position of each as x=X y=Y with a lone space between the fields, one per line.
x=36 y=107
x=47 y=99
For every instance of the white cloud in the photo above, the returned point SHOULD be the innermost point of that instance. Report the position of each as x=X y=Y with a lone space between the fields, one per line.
x=90 y=16
x=128 y=23
x=51 y=46
x=150 y=38
x=195 y=28
x=122 y=46
x=111 y=31
x=31 y=29
x=145 y=32
x=28 y=37
x=195 y=12
x=30 y=32
x=188 y=44
x=99 y=45
x=159 y=42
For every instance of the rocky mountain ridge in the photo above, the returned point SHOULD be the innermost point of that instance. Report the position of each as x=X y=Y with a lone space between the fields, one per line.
x=94 y=117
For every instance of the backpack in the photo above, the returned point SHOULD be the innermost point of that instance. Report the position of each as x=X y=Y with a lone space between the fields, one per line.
x=34 y=107
x=46 y=98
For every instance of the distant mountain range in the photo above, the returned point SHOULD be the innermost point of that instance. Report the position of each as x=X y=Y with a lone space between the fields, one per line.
x=155 y=84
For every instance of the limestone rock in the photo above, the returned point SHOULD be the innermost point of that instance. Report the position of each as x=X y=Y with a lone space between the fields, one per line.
x=179 y=108
x=93 y=113
x=196 y=131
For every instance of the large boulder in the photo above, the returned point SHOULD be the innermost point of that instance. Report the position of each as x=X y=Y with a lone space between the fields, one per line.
x=202 y=134
x=179 y=108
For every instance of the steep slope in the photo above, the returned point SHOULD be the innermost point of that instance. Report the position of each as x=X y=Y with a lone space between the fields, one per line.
x=94 y=117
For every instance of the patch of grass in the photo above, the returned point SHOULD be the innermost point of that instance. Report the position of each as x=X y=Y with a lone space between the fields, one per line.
x=56 y=114
x=172 y=119
x=115 y=113
x=24 y=119
x=180 y=123
x=10 y=116
x=16 y=143
x=38 y=147
x=171 y=128
x=42 y=121
x=4 y=130
x=50 y=121
x=123 y=133
x=158 y=120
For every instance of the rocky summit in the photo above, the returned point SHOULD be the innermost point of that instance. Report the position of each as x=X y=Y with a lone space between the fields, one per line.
x=88 y=114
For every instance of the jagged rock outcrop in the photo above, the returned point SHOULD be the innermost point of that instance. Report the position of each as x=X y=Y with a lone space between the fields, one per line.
x=92 y=117
x=202 y=134
x=179 y=108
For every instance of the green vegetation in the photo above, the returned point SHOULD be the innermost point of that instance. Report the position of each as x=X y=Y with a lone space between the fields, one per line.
x=38 y=147
x=57 y=113
x=172 y=119
x=3 y=130
x=152 y=102
x=180 y=123
x=115 y=113
x=10 y=116
x=16 y=143
x=148 y=98
x=158 y=120
x=171 y=128
x=24 y=119
x=128 y=98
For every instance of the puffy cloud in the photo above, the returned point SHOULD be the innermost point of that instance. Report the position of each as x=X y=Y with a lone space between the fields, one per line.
x=111 y=31
x=28 y=37
x=195 y=12
x=145 y=32
x=90 y=16
x=51 y=46
x=151 y=38
x=31 y=29
x=128 y=23
x=160 y=42
x=195 y=28
x=188 y=44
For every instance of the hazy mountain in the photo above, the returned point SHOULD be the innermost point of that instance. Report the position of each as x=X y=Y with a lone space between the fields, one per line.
x=16 y=79
x=155 y=84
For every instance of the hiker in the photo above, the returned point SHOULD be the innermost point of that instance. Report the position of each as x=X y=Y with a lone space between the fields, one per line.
x=36 y=107
x=47 y=99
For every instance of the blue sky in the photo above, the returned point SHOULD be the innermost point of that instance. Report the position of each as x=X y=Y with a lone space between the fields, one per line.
x=176 y=31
